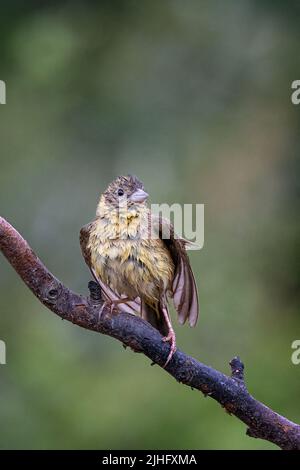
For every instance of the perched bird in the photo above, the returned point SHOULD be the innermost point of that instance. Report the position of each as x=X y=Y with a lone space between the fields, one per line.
x=135 y=265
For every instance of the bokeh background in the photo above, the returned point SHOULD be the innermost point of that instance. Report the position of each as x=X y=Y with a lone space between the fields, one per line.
x=194 y=98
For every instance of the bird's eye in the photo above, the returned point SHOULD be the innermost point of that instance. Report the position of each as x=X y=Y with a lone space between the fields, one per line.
x=120 y=192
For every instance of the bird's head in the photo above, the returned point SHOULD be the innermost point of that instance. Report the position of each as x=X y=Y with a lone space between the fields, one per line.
x=124 y=191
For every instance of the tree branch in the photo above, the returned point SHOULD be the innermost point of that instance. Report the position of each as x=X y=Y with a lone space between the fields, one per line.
x=230 y=392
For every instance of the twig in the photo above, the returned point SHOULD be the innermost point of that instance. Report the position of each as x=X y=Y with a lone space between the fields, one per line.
x=132 y=331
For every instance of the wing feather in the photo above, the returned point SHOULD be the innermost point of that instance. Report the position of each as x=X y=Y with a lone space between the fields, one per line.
x=184 y=288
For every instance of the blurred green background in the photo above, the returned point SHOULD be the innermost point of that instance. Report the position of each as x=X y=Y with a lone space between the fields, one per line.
x=194 y=98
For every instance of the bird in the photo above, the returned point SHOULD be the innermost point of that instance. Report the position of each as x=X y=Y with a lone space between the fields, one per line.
x=138 y=268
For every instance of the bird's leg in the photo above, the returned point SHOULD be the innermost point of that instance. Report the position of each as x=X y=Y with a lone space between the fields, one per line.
x=170 y=338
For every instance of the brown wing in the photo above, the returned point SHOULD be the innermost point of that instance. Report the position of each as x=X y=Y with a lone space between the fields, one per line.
x=130 y=306
x=184 y=289
x=84 y=240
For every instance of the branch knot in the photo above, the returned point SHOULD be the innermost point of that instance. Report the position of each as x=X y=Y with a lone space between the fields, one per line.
x=95 y=292
x=237 y=369
x=52 y=292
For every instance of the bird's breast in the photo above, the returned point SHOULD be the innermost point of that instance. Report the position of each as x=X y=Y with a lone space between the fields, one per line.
x=132 y=266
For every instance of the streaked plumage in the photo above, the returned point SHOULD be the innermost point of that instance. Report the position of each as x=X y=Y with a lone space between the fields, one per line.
x=136 y=272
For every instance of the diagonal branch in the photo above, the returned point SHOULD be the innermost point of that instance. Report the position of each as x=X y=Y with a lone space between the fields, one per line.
x=132 y=331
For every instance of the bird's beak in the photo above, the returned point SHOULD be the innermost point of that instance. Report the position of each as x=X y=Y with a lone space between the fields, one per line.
x=138 y=196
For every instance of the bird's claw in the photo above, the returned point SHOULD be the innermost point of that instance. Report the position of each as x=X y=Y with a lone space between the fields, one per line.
x=106 y=304
x=170 y=338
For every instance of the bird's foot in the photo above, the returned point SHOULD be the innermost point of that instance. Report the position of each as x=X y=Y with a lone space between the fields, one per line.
x=111 y=305
x=103 y=306
x=170 y=338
